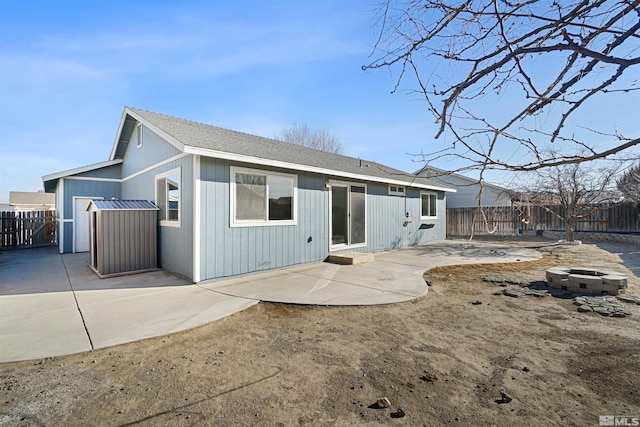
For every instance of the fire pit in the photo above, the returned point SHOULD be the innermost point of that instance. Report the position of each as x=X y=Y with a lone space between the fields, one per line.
x=586 y=281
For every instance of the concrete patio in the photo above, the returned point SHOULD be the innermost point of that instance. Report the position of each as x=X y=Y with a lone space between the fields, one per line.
x=52 y=304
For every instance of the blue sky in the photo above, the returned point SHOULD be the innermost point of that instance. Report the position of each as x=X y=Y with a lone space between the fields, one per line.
x=68 y=68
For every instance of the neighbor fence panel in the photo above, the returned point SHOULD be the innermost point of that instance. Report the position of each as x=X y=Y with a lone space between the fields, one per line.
x=527 y=219
x=27 y=229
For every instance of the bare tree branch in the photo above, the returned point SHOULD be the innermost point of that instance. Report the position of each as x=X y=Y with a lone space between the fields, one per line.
x=549 y=59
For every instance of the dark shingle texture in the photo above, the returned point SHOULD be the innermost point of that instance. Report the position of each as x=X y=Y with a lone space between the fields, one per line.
x=204 y=136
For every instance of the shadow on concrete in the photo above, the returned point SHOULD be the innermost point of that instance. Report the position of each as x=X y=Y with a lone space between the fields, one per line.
x=45 y=270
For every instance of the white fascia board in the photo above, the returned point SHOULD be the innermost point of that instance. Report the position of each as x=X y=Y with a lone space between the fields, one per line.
x=82 y=169
x=120 y=127
x=293 y=166
x=170 y=139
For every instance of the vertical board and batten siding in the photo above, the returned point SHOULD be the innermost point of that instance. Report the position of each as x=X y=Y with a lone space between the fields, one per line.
x=84 y=187
x=228 y=251
x=386 y=228
x=153 y=151
x=127 y=241
x=175 y=244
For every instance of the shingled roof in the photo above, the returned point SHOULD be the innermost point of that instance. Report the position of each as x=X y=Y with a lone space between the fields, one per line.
x=212 y=141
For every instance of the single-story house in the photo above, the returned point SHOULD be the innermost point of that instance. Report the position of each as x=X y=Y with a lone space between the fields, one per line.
x=468 y=189
x=31 y=201
x=233 y=203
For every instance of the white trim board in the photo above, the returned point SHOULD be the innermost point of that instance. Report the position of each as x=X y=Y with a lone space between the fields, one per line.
x=196 y=218
x=154 y=166
x=67 y=173
x=303 y=168
x=170 y=139
x=73 y=220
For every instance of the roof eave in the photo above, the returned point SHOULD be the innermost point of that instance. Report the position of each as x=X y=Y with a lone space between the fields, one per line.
x=69 y=172
x=293 y=166
x=130 y=113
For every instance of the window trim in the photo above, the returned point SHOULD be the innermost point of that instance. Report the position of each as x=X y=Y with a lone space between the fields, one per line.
x=429 y=193
x=165 y=209
x=233 y=222
x=397 y=192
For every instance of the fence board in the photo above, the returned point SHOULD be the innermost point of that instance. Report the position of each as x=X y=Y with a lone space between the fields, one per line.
x=27 y=229
x=620 y=218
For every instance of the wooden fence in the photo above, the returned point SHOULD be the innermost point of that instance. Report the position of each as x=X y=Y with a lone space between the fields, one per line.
x=27 y=229
x=620 y=218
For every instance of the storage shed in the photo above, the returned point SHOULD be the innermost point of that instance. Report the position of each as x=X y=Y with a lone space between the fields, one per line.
x=123 y=237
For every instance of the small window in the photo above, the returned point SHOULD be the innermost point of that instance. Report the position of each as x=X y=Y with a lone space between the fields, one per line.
x=428 y=205
x=168 y=197
x=262 y=198
x=396 y=190
x=139 y=135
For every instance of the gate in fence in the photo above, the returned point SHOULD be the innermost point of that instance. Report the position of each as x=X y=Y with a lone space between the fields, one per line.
x=27 y=229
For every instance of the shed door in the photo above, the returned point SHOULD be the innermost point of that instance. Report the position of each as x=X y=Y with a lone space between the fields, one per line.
x=81 y=223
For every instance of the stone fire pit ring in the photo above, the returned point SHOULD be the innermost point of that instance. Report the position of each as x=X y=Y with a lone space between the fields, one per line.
x=583 y=280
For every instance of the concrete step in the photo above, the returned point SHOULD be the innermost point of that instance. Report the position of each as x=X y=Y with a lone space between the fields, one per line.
x=350 y=258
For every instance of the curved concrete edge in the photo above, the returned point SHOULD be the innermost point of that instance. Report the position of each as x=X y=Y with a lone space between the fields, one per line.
x=37 y=324
x=393 y=277
x=325 y=284
x=126 y=315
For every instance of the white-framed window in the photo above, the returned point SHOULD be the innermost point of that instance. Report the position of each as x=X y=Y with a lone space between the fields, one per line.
x=428 y=205
x=396 y=190
x=169 y=197
x=262 y=198
x=139 y=135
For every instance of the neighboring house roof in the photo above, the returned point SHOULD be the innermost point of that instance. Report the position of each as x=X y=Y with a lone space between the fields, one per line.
x=210 y=141
x=27 y=198
x=118 y=205
x=441 y=175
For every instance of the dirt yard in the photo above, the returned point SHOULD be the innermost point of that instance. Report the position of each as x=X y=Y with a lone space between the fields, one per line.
x=443 y=358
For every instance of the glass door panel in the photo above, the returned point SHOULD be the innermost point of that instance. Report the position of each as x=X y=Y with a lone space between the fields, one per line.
x=339 y=215
x=357 y=218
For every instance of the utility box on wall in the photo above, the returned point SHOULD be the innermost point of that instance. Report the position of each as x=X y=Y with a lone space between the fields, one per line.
x=124 y=236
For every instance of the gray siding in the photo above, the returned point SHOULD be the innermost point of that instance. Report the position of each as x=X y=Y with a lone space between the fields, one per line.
x=67 y=232
x=73 y=187
x=228 y=251
x=154 y=150
x=386 y=228
x=85 y=188
x=175 y=243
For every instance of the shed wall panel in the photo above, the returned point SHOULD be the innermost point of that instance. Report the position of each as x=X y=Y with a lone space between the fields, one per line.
x=125 y=241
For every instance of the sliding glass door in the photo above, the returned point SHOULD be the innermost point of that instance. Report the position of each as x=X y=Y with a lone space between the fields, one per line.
x=348 y=214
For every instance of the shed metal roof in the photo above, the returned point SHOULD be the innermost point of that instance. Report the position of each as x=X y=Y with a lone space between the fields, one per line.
x=117 y=205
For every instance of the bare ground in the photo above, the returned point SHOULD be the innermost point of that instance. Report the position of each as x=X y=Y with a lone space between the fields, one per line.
x=441 y=358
